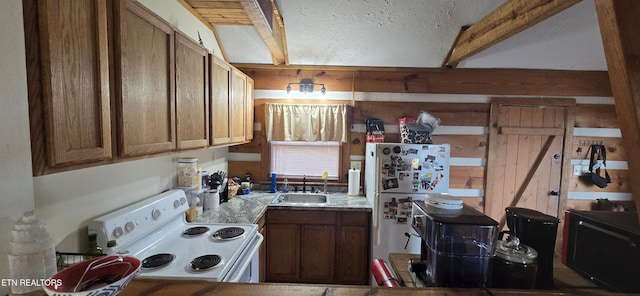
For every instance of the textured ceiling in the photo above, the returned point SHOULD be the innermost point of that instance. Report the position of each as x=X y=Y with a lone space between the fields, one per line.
x=417 y=33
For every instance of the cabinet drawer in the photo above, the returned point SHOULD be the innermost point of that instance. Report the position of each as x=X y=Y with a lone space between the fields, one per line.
x=354 y=218
x=301 y=217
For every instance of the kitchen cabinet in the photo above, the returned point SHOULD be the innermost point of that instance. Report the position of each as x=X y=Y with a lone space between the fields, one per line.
x=248 y=134
x=192 y=94
x=317 y=246
x=111 y=81
x=231 y=104
x=69 y=86
x=353 y=245
x=220 y=101
x=145 y=70
x=238 y=105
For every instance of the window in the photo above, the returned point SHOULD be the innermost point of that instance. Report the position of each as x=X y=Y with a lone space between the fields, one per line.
x=311 y=159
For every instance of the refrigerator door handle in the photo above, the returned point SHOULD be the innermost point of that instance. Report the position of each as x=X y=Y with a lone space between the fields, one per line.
x=376 y=221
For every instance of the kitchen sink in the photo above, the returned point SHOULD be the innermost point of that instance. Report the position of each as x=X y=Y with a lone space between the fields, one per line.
x=301 y=199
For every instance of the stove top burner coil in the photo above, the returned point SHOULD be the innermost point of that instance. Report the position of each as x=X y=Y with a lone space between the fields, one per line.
x=205 y=262
x=228 y=233
x=157 y=260
x=193 y=231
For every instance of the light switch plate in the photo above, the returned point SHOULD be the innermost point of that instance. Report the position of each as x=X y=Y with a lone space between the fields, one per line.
x=356 y=165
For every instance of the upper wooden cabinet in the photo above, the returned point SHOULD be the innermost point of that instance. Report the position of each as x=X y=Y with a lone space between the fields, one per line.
x=238 y=105
x=220 y=101
x=231 y=104
x=145 y=72
x=111 y=75
x=74 y=117
x=192 y=94
x=248 y=134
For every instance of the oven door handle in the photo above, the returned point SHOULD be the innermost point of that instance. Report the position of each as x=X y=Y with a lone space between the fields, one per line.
x=245 y=259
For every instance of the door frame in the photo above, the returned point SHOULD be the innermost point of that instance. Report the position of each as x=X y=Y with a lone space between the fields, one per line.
x=569 y=106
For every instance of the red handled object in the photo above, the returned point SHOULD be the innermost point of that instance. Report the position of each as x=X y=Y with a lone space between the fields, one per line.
x=382 y=275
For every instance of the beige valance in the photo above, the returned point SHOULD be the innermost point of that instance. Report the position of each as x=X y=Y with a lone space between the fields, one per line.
x=306 y=122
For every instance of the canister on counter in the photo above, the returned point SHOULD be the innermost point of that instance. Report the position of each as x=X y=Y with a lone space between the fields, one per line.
x=211 y=199
x=514 y=265
x=188 y=172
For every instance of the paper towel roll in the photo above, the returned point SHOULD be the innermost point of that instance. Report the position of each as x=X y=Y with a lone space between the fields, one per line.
x=354 y=182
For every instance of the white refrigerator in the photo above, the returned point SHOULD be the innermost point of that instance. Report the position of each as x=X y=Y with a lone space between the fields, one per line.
x=395 y=175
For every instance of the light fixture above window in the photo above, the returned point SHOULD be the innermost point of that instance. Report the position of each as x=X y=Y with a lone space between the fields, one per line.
x=306 y=86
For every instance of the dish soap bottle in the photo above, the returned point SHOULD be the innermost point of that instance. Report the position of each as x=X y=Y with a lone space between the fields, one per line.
x=93 y=250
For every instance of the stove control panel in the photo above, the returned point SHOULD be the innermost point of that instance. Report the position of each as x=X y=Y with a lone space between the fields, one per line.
x=128 y=224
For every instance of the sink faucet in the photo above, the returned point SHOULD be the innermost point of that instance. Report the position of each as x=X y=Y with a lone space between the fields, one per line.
x=304 y=183
x=325 y=185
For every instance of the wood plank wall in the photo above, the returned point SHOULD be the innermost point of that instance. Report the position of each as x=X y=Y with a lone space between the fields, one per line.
x=460 y=98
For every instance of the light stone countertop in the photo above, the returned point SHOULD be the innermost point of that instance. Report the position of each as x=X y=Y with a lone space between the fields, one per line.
x=249 y=208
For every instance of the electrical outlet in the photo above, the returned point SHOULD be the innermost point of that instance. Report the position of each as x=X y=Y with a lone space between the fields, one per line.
x=356 y=165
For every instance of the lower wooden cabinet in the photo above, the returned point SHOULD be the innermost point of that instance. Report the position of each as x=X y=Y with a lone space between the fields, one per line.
x=317 y=246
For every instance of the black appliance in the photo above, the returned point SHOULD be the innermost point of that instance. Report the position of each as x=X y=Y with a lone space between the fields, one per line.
x=604 y=247
x=457 y=245
x=538 y=231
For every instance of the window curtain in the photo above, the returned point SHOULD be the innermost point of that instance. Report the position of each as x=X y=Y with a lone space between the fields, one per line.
x=306 y=122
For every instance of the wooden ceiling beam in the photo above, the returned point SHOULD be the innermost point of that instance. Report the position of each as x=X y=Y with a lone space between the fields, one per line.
x=619 y=24
x=512 y=17
x=272 y=34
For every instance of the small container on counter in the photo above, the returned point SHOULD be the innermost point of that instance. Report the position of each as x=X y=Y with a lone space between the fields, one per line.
x=211 y=199
x=514 y=266
x=188 y=172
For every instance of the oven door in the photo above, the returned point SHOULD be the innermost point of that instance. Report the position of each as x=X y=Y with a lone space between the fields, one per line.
x=246 y=268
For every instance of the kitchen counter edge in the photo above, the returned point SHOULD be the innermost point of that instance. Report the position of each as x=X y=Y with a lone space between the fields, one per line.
x=248 y=209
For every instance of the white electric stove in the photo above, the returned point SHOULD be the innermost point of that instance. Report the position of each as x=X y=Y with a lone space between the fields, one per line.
x=155 y=231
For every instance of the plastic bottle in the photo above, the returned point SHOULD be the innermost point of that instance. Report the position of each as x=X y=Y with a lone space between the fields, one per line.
x=31 y=253
x=93 y=250
x=285 y=187
x=273 y=183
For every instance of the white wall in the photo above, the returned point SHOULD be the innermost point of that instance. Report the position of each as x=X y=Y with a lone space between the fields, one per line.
x=16 y=185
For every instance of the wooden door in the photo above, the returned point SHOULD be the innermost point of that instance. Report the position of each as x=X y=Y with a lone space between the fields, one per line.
x=220 y=101
x=529 y=144
x=75 y=81
x=238 y=105
x=192 y=94
x=145 y=54
x=318 y=253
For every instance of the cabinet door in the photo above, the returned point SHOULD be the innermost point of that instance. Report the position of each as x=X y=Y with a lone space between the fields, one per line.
x=353 y=243
x=283 y=248
x=318 y=253
x=192 y=94
x=248 y=134
x=146 y=74
x=75 y=80
x=220 y=101
x=353 y=257
x=238 y=105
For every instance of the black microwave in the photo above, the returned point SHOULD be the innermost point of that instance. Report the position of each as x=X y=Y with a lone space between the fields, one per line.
x=604 y=247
